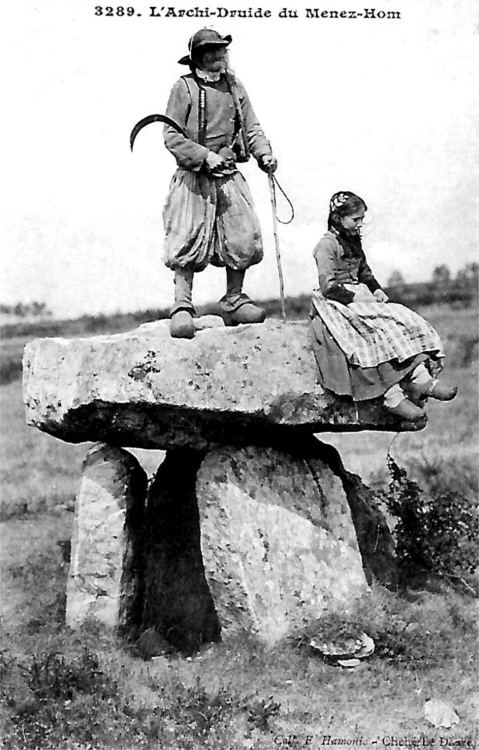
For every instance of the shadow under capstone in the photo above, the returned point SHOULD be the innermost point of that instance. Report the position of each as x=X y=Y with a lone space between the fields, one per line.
x=177 y=600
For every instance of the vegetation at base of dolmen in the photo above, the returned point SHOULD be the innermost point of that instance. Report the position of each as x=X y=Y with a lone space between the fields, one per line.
x=86 y=690
x=435 y=532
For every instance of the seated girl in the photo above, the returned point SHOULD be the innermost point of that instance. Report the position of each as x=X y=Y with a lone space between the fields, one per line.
x=365 y=348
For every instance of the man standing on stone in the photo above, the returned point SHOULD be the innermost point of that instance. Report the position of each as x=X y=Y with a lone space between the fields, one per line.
x=209 y=215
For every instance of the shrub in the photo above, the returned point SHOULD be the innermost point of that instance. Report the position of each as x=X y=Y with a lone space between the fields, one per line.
x=51 y=675
x=69 y=694
x=434 y=533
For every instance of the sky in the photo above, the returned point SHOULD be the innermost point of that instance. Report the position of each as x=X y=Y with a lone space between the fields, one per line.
x=385 y=107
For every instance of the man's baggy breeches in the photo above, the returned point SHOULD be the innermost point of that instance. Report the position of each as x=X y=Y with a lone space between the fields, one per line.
x=210 y=220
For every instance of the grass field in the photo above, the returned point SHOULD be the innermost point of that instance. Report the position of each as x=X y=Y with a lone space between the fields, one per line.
x=84 y=690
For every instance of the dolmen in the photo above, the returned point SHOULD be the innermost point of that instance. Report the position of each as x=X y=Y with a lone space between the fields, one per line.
x=251 y=525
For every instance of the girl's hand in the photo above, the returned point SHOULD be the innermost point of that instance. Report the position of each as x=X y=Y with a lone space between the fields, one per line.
x=362 y=294
x=381 y=296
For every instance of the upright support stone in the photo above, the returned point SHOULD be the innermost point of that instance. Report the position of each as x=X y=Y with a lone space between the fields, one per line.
x=106 y=569
x=278 y=541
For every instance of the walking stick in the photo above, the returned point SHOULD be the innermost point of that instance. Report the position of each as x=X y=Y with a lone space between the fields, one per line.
x=272 y=192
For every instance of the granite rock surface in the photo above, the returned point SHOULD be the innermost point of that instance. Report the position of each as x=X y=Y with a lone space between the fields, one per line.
x=244 y=385
x=278 y=541
x=105 y=576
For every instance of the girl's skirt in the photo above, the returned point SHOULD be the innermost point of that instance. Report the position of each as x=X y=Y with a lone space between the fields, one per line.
x=362 y=349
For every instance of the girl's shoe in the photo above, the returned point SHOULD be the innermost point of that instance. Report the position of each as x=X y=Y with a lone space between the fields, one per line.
x=406 y=410
x=433 y=389
x=441 y=391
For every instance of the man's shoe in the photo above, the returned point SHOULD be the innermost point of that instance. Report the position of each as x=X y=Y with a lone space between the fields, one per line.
x=247 y=313
x=406 y=410
x=182 y=325
x=441 y=391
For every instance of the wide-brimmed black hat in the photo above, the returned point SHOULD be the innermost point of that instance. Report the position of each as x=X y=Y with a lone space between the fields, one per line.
x=202 y=39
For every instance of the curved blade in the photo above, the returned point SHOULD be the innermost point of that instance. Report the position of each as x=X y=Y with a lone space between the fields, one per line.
x=154 y=118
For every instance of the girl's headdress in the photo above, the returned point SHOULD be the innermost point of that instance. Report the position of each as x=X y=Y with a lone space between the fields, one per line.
x=343 y=201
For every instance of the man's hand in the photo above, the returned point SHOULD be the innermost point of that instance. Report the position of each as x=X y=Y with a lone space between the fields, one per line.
x=268 y=163
x=381 y=296
x=213 y=161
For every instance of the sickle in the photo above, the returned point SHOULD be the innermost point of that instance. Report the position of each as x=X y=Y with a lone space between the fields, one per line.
x=155 y=118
